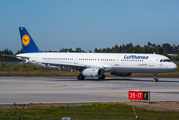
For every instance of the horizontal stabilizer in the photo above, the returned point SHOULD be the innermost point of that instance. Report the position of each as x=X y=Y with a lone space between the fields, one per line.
x=8 y=55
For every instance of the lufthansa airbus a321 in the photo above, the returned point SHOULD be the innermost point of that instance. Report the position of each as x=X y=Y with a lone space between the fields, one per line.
x=94 y=64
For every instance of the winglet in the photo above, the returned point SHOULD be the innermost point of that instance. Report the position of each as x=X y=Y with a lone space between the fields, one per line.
x=28 y=44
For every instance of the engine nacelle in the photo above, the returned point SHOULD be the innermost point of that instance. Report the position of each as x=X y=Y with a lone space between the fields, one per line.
x=122 y=74
x=92 y=72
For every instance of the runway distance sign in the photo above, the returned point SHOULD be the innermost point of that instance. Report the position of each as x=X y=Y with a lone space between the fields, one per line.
x=139 y=95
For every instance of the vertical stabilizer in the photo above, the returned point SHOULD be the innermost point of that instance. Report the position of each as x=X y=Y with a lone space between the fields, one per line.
x=28 y=44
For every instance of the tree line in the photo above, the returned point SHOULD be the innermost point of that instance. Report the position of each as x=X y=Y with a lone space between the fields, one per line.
x=163 y=49
x=9 y=52
x=149 y=48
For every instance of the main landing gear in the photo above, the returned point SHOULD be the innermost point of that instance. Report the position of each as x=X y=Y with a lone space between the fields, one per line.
x=155 y=77
x=80 y=77
x=102 y=77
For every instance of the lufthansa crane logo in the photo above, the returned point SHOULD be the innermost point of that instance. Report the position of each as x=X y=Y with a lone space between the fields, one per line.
x=25 y=40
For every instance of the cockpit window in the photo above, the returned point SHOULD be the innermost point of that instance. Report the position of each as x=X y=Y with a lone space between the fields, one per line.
x=168 y=60
x=165 y=60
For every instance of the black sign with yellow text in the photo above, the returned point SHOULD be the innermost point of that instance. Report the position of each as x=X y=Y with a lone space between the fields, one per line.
x=145 y=95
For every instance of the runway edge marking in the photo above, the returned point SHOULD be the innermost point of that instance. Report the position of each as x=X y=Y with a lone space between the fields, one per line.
x=116 y=94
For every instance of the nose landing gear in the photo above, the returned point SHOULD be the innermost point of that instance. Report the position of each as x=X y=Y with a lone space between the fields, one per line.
x=155 y=77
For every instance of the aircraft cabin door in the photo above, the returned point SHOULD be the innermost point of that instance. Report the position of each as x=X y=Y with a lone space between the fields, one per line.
x=76 y=60
x=38 y=58
x=151 y=60
x=33 y=59
x=116 y=61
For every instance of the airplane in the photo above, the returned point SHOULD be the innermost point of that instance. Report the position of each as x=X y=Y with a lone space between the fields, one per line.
x=94 y=64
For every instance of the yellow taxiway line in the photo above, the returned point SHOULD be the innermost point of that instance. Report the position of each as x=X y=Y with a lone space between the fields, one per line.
x=5 y=94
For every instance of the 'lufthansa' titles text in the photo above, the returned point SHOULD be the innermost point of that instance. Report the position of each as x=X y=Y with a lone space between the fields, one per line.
x=135 y=57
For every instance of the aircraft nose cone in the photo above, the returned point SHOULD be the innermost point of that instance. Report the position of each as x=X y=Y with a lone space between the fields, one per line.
x=174 y=66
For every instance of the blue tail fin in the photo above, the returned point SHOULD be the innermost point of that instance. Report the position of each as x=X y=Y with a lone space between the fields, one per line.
x=28 y=44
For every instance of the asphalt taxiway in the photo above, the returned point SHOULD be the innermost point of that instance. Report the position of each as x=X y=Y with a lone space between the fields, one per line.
x=70 y=90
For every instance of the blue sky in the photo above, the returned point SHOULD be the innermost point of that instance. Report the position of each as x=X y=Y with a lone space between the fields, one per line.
x=89 y=24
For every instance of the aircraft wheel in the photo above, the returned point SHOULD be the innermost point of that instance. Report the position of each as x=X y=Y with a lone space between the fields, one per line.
x=155 y=79
x=102 y=77
x=80 y=77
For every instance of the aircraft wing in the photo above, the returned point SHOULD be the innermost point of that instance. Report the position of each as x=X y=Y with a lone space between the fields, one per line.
x=65 y=64
x=8 y=55
x=73 y=65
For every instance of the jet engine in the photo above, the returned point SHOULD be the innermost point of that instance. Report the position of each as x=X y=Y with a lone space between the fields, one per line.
x=92 y=72
x=122 y=74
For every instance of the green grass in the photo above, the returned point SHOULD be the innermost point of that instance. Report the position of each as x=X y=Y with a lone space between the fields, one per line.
x=94 y=111
x=29 y=70
x=178 y=67
x=21 y=67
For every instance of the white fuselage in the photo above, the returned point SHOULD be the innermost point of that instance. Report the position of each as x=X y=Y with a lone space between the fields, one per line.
x=110 y=62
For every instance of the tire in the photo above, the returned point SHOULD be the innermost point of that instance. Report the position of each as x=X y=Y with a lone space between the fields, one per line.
x=155 y=79
x=102 y=77
x=80 y=77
